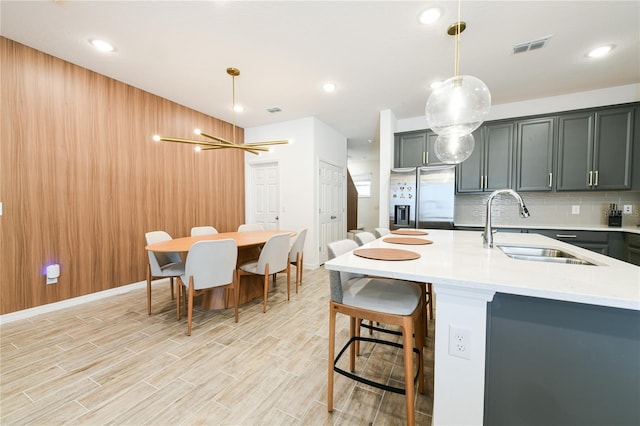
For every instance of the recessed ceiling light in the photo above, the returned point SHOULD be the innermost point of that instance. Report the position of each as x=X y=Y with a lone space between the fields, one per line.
x=329 y=87
x=101 y=45
x=600 y=51
x=430 y=15
x=238 y=108
x=436 y=84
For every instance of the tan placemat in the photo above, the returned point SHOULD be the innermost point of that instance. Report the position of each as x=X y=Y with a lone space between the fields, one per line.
x=386 y=254
x=407 y=240
x=409 y=232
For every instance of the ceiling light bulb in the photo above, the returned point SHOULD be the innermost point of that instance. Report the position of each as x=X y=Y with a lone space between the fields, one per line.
x=101 y=45
x=436 y=84
x=600 y=51
x=329 y=87
x=238 y=108
x=156 y=138
x=197 y=131
x=430 y=16
x=197 y=148
x=290 y=141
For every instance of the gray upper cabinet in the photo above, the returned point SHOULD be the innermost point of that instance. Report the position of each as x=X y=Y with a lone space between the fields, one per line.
x=534 y=154
x=594 y=150
x=415 y=149
x=490 y=165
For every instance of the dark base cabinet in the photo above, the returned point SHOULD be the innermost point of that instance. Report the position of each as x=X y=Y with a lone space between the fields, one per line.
x=559 y=363
x=632 y=248
x=591 y=240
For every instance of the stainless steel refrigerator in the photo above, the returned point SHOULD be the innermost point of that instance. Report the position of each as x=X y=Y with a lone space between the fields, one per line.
x=422 y=197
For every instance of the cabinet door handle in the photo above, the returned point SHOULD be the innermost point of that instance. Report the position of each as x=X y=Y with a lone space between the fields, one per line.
x=590 y=183
x=550 y=179
x=427 y=157
x=486 y=181
x=595 y=183
x=565 y=236
x=481 y=182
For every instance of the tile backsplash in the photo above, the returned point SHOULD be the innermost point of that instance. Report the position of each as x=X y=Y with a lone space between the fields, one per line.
x=551 y=209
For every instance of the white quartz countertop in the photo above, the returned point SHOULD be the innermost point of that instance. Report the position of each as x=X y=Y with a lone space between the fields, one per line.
x=457 y=259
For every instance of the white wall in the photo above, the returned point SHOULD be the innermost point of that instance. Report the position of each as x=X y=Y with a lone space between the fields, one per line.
x=388 y=127
x=298 y=168
x=579 y=100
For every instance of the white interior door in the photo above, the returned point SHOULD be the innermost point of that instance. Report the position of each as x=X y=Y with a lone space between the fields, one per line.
x=331 y=206
x=265 y=199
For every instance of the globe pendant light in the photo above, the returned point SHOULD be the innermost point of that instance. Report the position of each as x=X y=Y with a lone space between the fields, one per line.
x=457 y=107
x=454 y=149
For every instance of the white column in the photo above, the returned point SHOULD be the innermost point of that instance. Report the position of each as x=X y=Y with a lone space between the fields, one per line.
x=387 y=129
x=459 y=382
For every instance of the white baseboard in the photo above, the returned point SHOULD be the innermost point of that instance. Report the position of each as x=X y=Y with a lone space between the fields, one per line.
x=50 y=307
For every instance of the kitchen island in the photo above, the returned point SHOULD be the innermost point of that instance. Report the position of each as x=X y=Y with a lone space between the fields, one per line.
x=467 y=277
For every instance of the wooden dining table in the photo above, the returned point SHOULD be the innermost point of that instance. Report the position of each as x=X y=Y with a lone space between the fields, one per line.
x=248 y=243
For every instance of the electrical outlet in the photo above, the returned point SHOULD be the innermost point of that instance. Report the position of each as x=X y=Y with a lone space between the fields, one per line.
x=628 y=209
x=459 y=342
x=575 y=209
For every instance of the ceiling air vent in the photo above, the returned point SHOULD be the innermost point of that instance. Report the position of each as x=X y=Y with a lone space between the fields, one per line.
x=274 y=109
x=531 y=45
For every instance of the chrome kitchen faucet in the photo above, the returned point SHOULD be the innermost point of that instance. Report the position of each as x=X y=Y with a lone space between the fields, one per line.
x=487 y=235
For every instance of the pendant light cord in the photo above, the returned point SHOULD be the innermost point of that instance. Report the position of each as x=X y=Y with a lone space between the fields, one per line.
x=457 y=58
x=233 y=106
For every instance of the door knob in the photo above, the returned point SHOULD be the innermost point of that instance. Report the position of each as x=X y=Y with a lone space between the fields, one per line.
x=334 y=217
x=277 y=217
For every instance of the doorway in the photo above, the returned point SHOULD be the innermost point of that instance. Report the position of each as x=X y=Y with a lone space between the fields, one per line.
x=265 y=195
x=331 y=184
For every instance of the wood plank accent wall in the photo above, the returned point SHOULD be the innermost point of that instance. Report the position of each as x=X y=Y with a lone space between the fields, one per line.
x=81 y=180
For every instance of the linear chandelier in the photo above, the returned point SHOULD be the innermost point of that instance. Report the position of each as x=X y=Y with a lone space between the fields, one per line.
x=216 y=142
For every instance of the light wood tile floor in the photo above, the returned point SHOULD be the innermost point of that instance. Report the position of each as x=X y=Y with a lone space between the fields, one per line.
x=108 y=362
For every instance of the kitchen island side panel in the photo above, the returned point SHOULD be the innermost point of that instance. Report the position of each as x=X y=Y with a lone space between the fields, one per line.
x=561 y=363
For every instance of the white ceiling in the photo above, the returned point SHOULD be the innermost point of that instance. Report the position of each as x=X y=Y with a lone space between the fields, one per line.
x=377 y=53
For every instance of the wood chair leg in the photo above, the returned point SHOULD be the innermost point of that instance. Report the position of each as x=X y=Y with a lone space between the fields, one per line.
x=407 y=341
x=236 y=292
x=299 y=265
x=190 y=306
x=298 y=271
x=419 y=331
x=266 y=288
x=430 y=300
x=288 y=281
x=354 y=330
x=357 y=334
x=178 y=299
x=332 y=342
x=171 y=284
x=149 y=289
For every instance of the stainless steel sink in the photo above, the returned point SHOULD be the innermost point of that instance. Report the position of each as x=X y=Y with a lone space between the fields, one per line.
x=542 y=254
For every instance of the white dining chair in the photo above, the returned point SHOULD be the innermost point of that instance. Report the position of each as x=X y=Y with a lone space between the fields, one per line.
x=274 y=258
x=209 y=264
x=161 y=264
x=197 y=231
x=363 y=238
x=296 y=255
x=246 y=227
x=381 y=232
